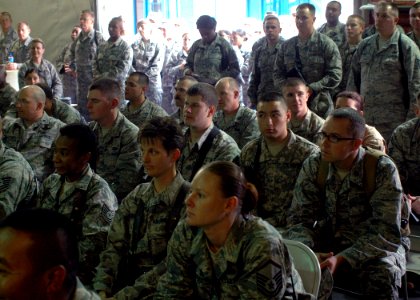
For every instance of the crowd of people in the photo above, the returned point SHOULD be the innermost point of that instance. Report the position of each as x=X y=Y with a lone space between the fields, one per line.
x=181 y=167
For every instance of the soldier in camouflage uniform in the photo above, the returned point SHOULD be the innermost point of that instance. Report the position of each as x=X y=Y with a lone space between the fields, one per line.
x=78 y=193
x=17 y=180
x=355 y=232
x=40 y=256
x=303 y=121
x=334 y=29
x=148 y=57
x=404 y=149
x=44 y=68
x=9 y=36
x=220 y=251
x=377 y=74
x=82 y=55
x=211 y=57
x=34 y=132
x=263 y=57
x=21 y=47
x=181 y=87
x=415 y=24
x=134 y=257
x=140 y=108
x=204 y=141
x=238 y=121
x=273 y=161
x=313 y=57
x=7 y=92
x=59 y=109
x=68 y=76
x=118 y=150
x=372 y=138
x=114 y=57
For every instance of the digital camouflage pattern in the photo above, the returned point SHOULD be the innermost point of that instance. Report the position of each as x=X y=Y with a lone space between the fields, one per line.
x=336 y=33
x=66 y=113
x=309 y=127
x=21 y=51
x=7 y=96
x=145 y=112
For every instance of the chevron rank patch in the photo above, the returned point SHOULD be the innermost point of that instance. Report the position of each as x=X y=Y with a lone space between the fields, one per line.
x=270 y=279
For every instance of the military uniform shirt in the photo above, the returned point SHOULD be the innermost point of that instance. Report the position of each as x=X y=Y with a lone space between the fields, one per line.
x=21 y=51
x=276 y=175
x=5 y=44
x=35 y=143
x=92 y=195
x=118 y=155
x=243 y=128
x=150 y=249
x=148 y=110
x=17 y=181
x=309 y=127
x=66 y=113
x=412 y=36
x=336 y=33
x=7 y=96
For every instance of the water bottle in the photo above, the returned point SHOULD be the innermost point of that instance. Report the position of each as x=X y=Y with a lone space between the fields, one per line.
x=10 y=58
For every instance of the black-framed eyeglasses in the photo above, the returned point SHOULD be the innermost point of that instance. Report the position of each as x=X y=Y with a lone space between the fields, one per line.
x=333 y=138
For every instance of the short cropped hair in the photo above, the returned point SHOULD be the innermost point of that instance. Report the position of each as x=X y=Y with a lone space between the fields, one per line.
x=233 y=83
x=357 y=125
x=36 y=92
x=353 y=96
x=309 y=6
x=359 y=18
x=120 y=21
x=37 y=40
x=54 y=240
x=85 y=138
x=108 y=86
x=89 y=12
x=189 y=78
x=292 y=82
x=206 y=22
x=165 y=129
x=6 y=14
x=393 y=6
x=206 y=91
x=335 y=2
x=141 y=78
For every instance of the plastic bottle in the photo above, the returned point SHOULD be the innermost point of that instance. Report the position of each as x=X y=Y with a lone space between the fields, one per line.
x=10 y=58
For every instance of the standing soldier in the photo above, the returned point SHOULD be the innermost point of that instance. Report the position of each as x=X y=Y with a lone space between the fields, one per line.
x=83 y=53
x=334 y=29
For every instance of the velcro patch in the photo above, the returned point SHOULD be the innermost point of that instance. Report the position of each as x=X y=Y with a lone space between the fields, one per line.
x=270 y=279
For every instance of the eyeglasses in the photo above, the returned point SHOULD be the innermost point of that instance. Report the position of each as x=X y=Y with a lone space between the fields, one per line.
x=333 y=138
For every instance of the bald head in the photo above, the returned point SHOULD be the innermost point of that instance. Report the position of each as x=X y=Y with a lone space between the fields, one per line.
x=227 y=90
x=33 y=91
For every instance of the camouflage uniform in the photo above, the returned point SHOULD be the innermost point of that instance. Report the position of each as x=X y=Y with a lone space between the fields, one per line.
x=404 y=148
x=145 y=112
x=17 y=181
x=21 y=51
x=380 y=75
x=263 y=59
x=177 y=116
x=364 y=230
x=5 y=44
x=223 y=148
x=90 y=204
x=275 y=176
x=242 y=128
x=7 y=96
x=246 y=71
x=374 y=139
x=347 y=51
x=336 y=33
x=69 y=80
x=321 y=68
x=148 y=58
x=252 y=264
x=168 y=77
x=47 y=71
x=118 y=155
x=36 y=142
x=150 y=248
x=113 y=60
x=173 y=68
x=412 y=36
x=309 y=127
x=66 y=113
x=210 y=62
x=82 y=54
x=81 y=293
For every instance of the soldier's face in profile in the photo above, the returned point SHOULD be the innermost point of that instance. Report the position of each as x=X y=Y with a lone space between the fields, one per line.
x=26 y=105
x=67 y=159
x=228 y=97
x=197 y=113
x=98 y=105
x=415 y=18
x=354 y=28
x=157 y=161
x=181 y=89
x=272 y=118
x=19 y=280
x=86 y=22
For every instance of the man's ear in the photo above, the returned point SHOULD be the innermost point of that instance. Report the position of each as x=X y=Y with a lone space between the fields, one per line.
x=357 y=143
x=115 y=103
x=212 y=110
x=175 y=154
x=54 y=279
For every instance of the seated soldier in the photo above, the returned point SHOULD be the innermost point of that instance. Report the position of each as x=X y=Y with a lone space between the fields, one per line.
x=346 y=207
x=133 y=260
x=303 y=121
x=372 y=136
x=7 y=92
x=238 y=121
x=17 y=180
x=273 y=161
x=58 y=109
x=33 y=132
x=39 y=257
x=139 y=108
x=80 y=194
x=118 y=151
x=181 y=87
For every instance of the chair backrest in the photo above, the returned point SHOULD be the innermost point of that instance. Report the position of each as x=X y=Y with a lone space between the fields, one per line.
x=306 y=263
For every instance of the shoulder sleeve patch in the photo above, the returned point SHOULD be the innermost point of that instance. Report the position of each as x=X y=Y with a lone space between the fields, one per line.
x=270 y=279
